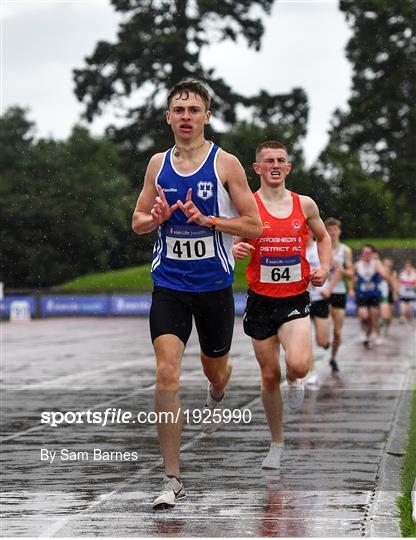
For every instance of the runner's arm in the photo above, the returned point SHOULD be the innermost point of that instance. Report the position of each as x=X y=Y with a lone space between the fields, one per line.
x=348 y=270
x=315 y=223
x=151 y=207
x=336 y=276
x=381 y=270
x=248 y=224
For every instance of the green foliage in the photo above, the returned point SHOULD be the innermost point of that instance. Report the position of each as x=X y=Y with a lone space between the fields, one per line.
x=159 y=44
x=64 y=206
x=377 y=134
x=281 y=118
x=364 y=203
x=407 y=525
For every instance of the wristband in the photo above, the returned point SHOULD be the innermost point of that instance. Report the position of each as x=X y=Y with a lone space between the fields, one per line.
x=213 y=222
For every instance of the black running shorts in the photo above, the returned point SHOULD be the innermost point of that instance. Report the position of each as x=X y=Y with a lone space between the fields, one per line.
x=172 y=311
x=368 y=301
x=338 y=301
x=264 y=315
x=320 y=309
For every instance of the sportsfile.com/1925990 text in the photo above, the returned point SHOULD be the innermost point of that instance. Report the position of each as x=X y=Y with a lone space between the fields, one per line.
x=113 y=415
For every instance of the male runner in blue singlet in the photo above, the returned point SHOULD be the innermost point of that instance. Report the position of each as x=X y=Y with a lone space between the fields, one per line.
x=197 y=196
x=369 y=272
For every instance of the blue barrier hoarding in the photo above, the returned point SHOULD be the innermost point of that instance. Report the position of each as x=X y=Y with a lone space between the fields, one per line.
x=5 y=304
x=127 y=304
x=240 y=303
x=74 y=305
x=113 y=305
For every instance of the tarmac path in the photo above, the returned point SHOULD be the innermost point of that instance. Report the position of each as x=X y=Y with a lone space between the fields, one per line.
x=335 y=444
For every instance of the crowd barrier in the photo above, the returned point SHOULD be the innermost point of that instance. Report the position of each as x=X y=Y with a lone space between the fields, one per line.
x=102 y=305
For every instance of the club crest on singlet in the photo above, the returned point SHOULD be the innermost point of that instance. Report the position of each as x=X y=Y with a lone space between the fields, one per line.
x=205 y=190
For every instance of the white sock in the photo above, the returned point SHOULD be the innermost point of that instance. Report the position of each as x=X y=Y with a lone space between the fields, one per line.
x=272 y=460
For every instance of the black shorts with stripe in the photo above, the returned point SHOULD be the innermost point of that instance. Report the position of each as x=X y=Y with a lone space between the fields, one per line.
x=264 y=315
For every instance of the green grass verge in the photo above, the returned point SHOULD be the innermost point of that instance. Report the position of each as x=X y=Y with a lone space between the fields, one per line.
x=383 y=243
x=407 y=525
x=138 y=279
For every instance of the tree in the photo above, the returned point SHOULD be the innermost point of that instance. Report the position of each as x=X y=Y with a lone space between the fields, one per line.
x=63 y=205
x=344 y=190
x=379 y=127
x=160 y=43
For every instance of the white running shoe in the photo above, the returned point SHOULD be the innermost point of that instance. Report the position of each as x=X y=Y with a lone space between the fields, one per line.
x=172 y=492
x=312 y=379
x=295 y=393
x=212 y=419
x=272 y=460
x=378 y=340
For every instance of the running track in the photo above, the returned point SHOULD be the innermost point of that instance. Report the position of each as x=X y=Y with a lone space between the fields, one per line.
x=334 y=450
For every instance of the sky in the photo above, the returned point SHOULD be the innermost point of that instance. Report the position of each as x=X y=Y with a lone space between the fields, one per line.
x=42 y=41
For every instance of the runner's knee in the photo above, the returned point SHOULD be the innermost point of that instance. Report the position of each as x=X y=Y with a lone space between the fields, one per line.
x=322 y=341
x=299 y=367
x=167 y=376
x=337 y=335
x=270 y=377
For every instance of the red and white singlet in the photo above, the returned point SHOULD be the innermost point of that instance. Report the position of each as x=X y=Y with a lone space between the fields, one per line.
x=278 y=265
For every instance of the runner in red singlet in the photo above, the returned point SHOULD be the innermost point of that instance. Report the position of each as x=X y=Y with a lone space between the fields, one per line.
x=278 y=275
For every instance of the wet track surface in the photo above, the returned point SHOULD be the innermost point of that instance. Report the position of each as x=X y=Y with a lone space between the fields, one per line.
x=334 y=444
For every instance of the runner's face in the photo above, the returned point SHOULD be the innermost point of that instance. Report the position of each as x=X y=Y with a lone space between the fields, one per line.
x=187 y=116
x=272 y=166
x=334 y=232
x=367 y=254
x=388 y=263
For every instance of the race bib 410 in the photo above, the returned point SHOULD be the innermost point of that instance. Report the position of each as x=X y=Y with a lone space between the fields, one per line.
x=189 y=244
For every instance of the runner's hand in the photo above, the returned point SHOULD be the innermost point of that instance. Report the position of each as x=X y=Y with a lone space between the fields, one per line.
x=318 y=277
x=192 y=212
x=161 y=210
x=241 y=250
x=326 y=293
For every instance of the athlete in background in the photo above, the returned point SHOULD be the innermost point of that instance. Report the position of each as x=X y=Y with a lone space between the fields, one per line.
x=389 y=294
x=407 y=292
x=278 y=276
x=369 y=272
x=319 y=297
x=342 y=255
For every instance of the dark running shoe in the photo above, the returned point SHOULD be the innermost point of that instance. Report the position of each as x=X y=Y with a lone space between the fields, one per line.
x=334 y=365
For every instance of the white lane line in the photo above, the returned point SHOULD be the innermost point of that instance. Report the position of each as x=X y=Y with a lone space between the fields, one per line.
x=96 y=406
x=61 y=522
x=109 y=402
x=69 y=378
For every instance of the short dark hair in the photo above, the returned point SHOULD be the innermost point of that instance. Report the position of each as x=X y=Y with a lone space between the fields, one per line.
x=270 y=144
x=369 y=246
x=184 y=88
x=331 y=222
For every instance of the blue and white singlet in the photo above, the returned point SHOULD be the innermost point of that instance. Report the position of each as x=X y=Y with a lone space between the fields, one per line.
x=187 y=257
x=368 y=280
